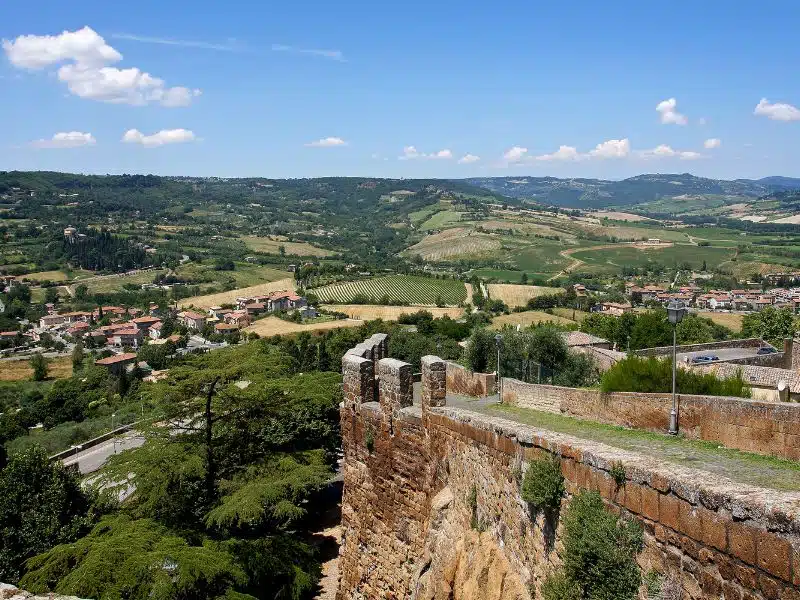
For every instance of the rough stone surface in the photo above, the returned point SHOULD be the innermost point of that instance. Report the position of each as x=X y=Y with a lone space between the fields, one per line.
x=464 y=382
x=739 y=423
x=434 y=382
x=408 y=521
x=10 y=592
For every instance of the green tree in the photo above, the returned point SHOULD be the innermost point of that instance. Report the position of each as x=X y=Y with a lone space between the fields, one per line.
x=51 y=295
x=652 y=329
x=41 y=504
x=771 y=324
x=39 y=365
x=82 y=292
x=481 y=351
x=77 y=355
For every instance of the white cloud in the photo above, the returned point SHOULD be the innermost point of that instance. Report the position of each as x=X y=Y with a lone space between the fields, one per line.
x=563 y=153
x=612 y=149
x=328 y=142
x=468 y=159
x=712 y=143
x=69 y=139
x=229 y=47
x=778 y=111
x=664 y=151
x=411 y=152
x=669 y=114
x=330 y=54
x=161 y=138
x=87 y=73
x=515 y=154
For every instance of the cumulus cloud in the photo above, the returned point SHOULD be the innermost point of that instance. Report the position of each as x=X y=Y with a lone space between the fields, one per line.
x=669 y=113
x=612 y=149
x=515 y=154
x=712 y=143
x=411 y=152
x=87 y=72
x=68 y=139
x=160 y=138
x=778 y=111
x=468 y=159
x=664 y=151
x=328 y=142
x=565 y=153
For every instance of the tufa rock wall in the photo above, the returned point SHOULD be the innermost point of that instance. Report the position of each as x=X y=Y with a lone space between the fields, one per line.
x=740 y=423
x=412 y=531
x=464 y=382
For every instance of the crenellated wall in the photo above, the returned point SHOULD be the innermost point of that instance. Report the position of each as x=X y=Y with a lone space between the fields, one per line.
x=410 y=472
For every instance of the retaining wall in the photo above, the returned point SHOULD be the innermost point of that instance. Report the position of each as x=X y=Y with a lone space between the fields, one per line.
x=463 y=382
x=743 y=424
x=411 y=474
x=667 y=350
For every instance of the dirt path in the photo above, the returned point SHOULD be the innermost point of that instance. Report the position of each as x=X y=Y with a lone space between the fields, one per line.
x=577 y=262
x=329 y=582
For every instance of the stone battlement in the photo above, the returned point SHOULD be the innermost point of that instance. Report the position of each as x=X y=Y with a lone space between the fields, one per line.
x=418 y=477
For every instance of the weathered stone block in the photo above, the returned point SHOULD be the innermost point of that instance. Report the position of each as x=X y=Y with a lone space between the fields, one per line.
x=742 y=542
x=774 y=555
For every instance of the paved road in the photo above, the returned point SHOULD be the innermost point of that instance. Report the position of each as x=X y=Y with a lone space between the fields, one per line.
x=91 y=459
x=723 y=353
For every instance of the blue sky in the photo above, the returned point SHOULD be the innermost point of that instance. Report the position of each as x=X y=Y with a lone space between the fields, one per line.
x=401 y=90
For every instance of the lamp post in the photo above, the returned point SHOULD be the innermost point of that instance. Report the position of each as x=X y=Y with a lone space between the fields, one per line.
x=675 y=311
x=498 y=341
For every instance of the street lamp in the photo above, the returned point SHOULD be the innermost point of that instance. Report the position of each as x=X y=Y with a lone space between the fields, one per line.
x=113 y=439
x=498 y=341
x=675 y=311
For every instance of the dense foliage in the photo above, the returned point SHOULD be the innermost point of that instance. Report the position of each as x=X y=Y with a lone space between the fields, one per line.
x=771 y=324
x=41 y=504
x=543 y=483
x=599 y=554
x=637 y=374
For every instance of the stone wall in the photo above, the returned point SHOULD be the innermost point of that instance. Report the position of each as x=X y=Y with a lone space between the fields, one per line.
x=667 y=350
x=463 y=382
x=743 y=424
x=407 y=511
x=10 y=592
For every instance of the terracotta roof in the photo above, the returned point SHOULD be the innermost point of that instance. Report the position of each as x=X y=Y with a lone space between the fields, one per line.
x=255 y=305
x=157 y=325
x=8 y=333
x=146 y=320
x=127 y=332
x=579 y=338
x=112 y=360
x=193 y=315
x=224 y=326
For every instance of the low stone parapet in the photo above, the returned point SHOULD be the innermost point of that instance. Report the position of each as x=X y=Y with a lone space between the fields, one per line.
x=463 y=382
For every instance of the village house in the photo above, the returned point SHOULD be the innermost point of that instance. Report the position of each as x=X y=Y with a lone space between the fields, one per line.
x=154 y=331
x=78 y=329
x=192 y=320
x=614 y=308
x=238 y=318
x=225 y=328
x=145 y=323
x=116 y=364
x=50 y=321
x=131 y=338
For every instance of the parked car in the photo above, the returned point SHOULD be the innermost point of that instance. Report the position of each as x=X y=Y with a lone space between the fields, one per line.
x=705 y=358
x=766 y=350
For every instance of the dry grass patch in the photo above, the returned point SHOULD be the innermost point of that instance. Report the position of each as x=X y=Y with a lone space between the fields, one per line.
x=453 y=243
x=209 y=300
x=45 y=275
x=368 y=312
x=571 y=313
x=270 y=326
x=20 y=370
x=619 y=216
x=527 y=318
x=272 y=245
x=729 y=320
x=518 y=295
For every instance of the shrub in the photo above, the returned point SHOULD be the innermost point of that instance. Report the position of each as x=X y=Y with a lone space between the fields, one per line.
x=618 y=474
x=600 y=550
x=369 y=441
x=637 y=374
x=558 y=587
x=543 y=484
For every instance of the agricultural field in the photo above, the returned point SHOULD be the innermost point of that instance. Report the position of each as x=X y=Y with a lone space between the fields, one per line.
x=45 y=276
x=518 y=295
x=732 y=321
x=397 y=288
x=245 y=274
x=209 y=300
x=612 y=259
x=455 y=243
x=111 y=283
x=272 y=245
x=571 y=313
x=270 y=326
x=368 y=312
x=20 y=370
x=441 y=220
x=527 y=318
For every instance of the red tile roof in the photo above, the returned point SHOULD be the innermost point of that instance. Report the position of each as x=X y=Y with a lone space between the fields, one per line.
x=112 y=360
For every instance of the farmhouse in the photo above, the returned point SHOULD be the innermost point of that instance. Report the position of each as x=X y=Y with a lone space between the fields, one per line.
x=116 y=364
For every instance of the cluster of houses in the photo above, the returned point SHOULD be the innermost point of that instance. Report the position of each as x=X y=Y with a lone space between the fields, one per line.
x=739 y=300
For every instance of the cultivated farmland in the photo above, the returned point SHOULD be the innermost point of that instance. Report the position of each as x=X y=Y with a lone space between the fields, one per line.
x=458 y=242
x=210 y=300
x=368 y=312
x=527 y=318
x=518 y=295
x=270 y=326
x=397 y=288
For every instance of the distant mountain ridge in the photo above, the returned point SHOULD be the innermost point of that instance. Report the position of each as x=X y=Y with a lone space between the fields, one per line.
x=601 y=193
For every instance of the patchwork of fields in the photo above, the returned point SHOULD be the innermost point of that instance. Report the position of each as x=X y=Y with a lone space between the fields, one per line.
x=209 y=300
x=396 y=288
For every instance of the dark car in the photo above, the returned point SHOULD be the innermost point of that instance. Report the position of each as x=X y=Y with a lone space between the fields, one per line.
x=766 y=350
x=705 y=358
